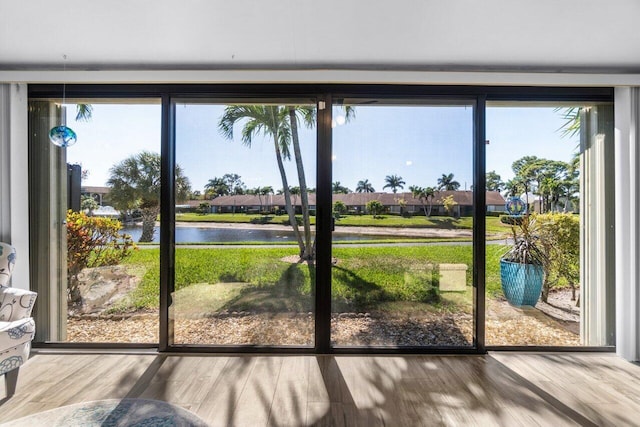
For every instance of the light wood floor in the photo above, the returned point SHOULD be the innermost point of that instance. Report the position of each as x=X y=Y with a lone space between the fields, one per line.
x=506 y=389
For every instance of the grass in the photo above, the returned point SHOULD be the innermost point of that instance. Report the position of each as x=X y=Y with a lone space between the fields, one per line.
x=365 y=278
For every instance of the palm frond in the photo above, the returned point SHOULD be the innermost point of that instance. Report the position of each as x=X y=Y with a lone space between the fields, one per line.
x=284 y=139
x=84 y=112
x=571 y=117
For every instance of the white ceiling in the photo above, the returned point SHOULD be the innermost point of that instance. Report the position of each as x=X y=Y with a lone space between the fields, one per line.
x=411 y=35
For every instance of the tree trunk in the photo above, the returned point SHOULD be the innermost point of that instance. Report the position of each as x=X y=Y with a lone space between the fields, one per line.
x=545 y=289
x=149 y=216
x=287 y=196
x=424 y=208
x=307 y=252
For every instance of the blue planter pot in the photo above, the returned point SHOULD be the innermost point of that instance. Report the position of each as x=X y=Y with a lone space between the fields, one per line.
x=521 y=283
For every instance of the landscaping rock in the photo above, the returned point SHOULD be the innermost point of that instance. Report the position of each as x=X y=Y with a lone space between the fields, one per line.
x=101 y=287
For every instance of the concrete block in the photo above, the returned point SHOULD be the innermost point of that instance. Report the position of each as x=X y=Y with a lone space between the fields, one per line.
x=453 y=277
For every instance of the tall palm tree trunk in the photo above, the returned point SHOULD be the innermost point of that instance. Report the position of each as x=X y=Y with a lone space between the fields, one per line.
x=149 y=216
x=287 y=196
x=307 y=253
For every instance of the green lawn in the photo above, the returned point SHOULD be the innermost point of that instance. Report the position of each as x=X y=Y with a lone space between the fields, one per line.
x=363 y=278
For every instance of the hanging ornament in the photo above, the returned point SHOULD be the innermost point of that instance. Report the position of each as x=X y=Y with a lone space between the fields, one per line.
x=63 y=136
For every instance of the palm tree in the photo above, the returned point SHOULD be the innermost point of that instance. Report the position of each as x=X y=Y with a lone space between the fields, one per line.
x=308 y=117
x=295 y=192
x=265 y=191
x=418 y=193
x=429 y=194
x=338 y=188
x=256 y=192
x=281 y=124
x=423 y=194
x=217 y=187
x=365 y=186
x=135 y=184
x=394 y=182
x=571 y=117
x=447 y=183
x=270 y=121
x=513 y=187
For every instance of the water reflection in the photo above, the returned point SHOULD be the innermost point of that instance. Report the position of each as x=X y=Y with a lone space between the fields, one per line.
x=219 y=235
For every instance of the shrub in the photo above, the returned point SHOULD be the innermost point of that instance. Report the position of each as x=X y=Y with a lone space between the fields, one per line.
x=288 y=222
x=449 y=205
x=560 y=238
x=203 y=208
x=93 y=242
x=339 y=208
x=375 y=208
x=264 y=219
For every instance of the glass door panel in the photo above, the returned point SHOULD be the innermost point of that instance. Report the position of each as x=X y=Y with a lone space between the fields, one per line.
x=403 y=210
x=97 y=277
x=548 y=161
x=245 y=221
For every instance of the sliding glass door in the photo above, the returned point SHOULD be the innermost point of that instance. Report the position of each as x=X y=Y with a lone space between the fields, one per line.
x=245 y=181
x=549 y=160
x=322 y=219
x=403 y=209
x=94 y=238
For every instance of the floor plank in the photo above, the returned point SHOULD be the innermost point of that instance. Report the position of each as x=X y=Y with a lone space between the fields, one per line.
x=499 y=389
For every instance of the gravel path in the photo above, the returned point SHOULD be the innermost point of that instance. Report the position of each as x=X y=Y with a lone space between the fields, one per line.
x=505 y=325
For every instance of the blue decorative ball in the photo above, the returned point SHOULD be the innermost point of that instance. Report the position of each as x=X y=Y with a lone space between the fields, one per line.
x=62 y=136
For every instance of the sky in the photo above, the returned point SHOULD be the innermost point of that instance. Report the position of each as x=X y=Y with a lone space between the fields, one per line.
x=418 y=143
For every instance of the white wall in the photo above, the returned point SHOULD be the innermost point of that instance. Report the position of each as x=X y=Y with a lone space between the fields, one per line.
x=402 y=34
x=14 y=208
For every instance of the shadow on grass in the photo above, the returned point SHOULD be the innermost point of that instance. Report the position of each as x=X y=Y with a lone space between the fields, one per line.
x=361 y=293
x=289 y=294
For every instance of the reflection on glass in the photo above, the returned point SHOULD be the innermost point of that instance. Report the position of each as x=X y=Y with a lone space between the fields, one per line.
x=403 y=173
x=252 y=174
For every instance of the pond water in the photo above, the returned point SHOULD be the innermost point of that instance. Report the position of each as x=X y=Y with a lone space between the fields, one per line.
x=218 y=235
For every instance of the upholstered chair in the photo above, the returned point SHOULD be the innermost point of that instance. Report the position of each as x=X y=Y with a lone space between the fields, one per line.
x=17 y=328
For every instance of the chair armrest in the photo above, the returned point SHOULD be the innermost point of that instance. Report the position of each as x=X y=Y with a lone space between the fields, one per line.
x=15 y=304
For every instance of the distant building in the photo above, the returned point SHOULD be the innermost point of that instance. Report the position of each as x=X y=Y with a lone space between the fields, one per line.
x=98 y=193
x=356 y=203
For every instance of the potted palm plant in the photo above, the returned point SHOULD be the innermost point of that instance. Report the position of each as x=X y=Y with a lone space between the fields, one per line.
x=522 y=267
